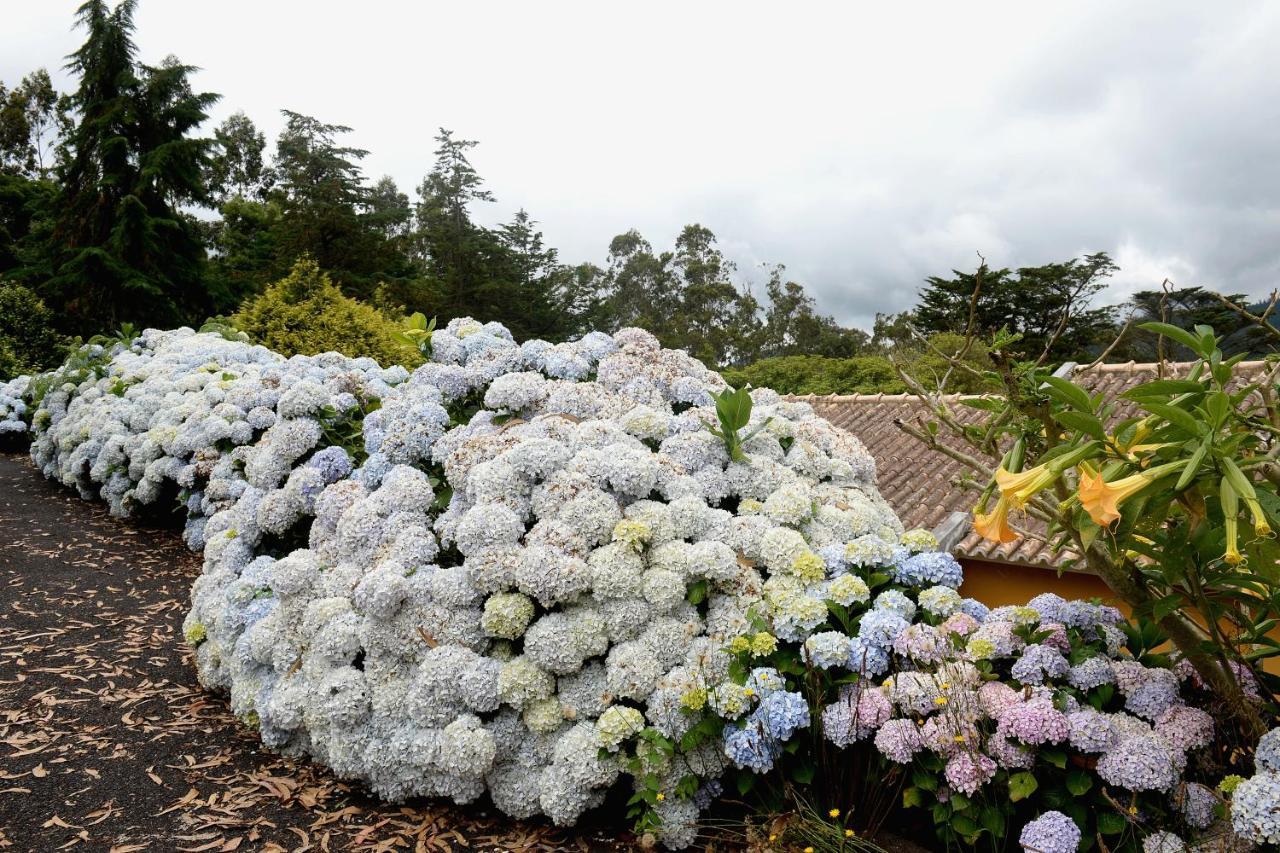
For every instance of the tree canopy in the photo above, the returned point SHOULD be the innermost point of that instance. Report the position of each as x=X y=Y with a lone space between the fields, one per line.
x=118 y=204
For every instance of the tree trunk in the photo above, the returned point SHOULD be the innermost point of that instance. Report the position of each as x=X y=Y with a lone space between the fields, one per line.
x=1188 y=637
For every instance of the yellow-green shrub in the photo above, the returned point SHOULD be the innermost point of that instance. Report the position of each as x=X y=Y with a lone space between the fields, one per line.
x=305 y=313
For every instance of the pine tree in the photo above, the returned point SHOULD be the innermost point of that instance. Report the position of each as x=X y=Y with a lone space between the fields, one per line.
x=121 y=248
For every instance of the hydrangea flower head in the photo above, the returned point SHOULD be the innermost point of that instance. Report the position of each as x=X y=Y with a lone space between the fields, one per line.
x=1052 y=832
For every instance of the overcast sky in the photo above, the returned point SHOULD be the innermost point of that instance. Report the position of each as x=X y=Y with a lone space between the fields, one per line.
x=863 y=145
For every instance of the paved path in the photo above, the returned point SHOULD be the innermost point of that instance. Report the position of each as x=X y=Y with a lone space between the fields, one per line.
x=107 y=742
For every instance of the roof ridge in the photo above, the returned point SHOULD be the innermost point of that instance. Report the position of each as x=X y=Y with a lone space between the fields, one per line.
x=1135 y=366
x=878 y=397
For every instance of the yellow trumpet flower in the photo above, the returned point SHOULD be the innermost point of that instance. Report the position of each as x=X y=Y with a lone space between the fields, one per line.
x=994 y=525
x=1261 y=526
x=1141 y=430
x=1102 y=499
x=1231 y=523
x=1019 y=488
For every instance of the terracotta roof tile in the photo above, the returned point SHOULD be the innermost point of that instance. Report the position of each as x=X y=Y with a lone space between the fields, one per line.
x=924 y=486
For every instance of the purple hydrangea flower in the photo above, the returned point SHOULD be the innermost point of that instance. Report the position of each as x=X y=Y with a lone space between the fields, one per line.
x=1039 y=663
x=1197 y=805
x=967 y=771
x=1090 y=730
x=1090 y=673
x=1052 y=832
x=898 y=740
x=1140 y=763
x=1154 y=696
x=1163 y=842
x=922 y=644
x=1188 y=728
x=855 y=715
x=1034 y=722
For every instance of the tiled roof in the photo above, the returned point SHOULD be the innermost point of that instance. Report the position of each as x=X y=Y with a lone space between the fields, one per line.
x=924 y=486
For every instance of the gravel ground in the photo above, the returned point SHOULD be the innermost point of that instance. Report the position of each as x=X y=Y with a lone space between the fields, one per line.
x=107 y=741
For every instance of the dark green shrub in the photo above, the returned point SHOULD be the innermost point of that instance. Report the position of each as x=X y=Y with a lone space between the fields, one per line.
x=816 y=374
x=28 y=342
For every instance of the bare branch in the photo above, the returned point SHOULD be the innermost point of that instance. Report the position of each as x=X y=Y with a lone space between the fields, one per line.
x=1107 y=352
x=1259 y=320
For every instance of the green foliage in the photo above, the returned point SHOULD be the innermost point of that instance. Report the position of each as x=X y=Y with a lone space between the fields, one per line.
x=305 y=313
x=1173 y=506
x=1187 y=308
x=28 y=342
x=122 y=248
x=815 y=374
x=733 y=409
x=1030 y=302
x=868 y=374
x=503 y=274
x=416 y=332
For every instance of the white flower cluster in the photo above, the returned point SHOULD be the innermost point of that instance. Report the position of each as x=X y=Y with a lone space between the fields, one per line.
x=13 y=405
x=496 y=589
x=196 y=417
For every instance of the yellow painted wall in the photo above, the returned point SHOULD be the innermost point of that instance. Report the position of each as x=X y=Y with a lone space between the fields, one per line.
x=995 y=584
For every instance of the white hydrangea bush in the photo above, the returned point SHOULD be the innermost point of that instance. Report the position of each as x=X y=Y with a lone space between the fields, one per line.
x=490 y=573
x=207 y=415
x=13 y=406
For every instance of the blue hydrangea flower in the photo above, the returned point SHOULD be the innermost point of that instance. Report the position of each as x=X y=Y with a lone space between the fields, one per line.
x=1140 y=762
x=867 y=659
x=781 y=713
x=1090 y=673
x=880 y=628
x=750 y=748
x=1052 y=832
x=929 y=568
x=333 y=463
x=1039 y=663
x=974 y=608
x=895 y=602
x=1255 y=808
x=765 y=681
x=1267 y=756
x=1051 y=607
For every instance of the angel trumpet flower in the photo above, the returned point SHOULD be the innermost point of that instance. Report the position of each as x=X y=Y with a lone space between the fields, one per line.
x=1021 y=487
x=1261 y=526
x=1102 y=499
x=1018 y=488
x=994 y=526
